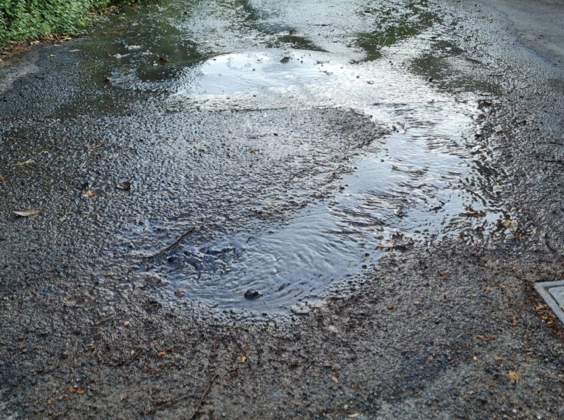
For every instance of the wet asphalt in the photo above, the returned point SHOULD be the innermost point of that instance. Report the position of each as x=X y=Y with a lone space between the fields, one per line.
x=250 y=209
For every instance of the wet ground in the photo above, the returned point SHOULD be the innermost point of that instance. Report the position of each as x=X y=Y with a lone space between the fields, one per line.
x=255 y=209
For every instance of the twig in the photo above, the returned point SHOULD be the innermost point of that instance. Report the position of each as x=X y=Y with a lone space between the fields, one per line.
x=103 y=321
x=135 y=356
x=199 y=405
x=173 y=245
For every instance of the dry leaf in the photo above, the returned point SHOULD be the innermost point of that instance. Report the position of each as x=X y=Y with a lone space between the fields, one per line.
x=243 y=359
x=125 y=186
x=99 y=145
x=90 y=194
x=27 y=213
x=514 y=376
x=164 y=60
x=335 y=379
x=2 y=178
x=285 y=60
x=161 y=354
x=25 y=163
x=353 y=415
x=80 y=391
x=510 y=224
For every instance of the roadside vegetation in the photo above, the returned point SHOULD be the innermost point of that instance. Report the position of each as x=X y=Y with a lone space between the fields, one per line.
x=22 y=20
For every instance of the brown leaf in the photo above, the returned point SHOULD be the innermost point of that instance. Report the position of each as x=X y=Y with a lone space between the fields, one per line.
x=509 y=224
x=514 y=376
x=99 y=145
x=243 y=359
x=164 y=60
x=180 y=292
x=285 y=59
x=27 y=213
x=107 y=79
x=90 y=194
x=161 y=354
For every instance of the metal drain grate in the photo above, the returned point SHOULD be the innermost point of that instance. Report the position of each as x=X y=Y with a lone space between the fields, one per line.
x=553 y=294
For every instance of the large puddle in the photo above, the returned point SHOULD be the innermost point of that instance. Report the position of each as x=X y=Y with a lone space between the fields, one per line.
x=426 y=180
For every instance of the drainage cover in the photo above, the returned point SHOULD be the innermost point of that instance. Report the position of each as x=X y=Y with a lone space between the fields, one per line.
x=553 y=293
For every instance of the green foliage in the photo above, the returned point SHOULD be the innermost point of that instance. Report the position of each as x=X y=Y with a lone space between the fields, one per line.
x=32 y=19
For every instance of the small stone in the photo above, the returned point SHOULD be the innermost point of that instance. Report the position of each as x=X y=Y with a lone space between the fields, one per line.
x=252 y=294
x=300 y=309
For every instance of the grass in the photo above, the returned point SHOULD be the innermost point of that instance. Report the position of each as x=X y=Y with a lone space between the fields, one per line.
x=23 y=20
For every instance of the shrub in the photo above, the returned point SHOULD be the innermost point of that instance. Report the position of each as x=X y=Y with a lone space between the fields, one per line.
x=31 y=19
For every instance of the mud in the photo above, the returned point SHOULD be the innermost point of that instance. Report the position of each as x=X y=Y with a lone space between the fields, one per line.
x=251 y=209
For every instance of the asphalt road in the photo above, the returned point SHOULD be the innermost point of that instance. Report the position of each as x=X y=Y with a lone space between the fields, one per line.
x=258 y=209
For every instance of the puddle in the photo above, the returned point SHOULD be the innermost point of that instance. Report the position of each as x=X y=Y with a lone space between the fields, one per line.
x=423 y=184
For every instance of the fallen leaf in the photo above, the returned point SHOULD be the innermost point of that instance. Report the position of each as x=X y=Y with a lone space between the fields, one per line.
x=98 y=145
x=27 y=213
x=180 y=292
x=25 y=163
x=125 y=186
x=391 y=307
x=122 y=397
x=80 y=391
x=353 y=415
x=489 y=289
x=164 y=60
x=72 y=390
x=480 y=337
x=161 y=354
x=107 y=79
x=510 y=224
x=335 y=379
x=514 y=376
x=2 y=178
x=285 y=59
x=417 y=302
x=126 y=324
x=90 y=194
x=75 y=50
x=243 y=359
